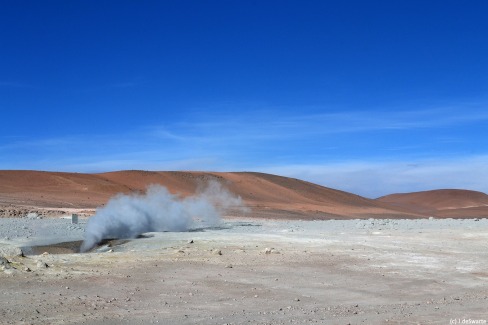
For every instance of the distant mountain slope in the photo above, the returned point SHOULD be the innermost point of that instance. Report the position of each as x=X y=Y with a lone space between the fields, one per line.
x=441 y=203
x=53 y=189
x=267 y=195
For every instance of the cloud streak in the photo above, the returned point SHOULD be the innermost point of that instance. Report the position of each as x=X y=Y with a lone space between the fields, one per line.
x=361 y=152
x=377 y=178
x=269 y=125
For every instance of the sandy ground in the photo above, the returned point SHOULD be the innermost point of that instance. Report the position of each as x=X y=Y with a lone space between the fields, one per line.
x=262 y=272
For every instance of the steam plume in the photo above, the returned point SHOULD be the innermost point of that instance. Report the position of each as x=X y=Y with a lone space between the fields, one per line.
x=127 y=216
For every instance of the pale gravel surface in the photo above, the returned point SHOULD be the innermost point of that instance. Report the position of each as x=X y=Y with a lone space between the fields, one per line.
x=49 y=229
x=20 y=228
x=251 y=271
x=58 y=229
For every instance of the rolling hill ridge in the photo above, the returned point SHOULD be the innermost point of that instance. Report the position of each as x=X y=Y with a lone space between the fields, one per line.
x=265 y=194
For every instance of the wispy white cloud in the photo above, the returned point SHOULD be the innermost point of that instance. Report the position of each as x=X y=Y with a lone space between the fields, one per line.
x=376 y=178
x=98 y=153
x=210 y=134
x=289 y=144
x=273 y=124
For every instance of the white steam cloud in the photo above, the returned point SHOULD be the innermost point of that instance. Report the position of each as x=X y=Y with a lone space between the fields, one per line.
x=127 y=216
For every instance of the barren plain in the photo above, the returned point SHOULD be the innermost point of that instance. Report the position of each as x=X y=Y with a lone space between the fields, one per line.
x=293 y=259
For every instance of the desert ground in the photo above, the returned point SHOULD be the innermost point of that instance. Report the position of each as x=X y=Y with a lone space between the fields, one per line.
x=273 y=264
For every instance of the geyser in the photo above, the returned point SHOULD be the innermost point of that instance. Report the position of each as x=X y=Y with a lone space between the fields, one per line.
x=127 y=216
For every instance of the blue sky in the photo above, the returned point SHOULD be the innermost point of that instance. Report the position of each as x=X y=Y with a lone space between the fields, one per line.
x=372 y=97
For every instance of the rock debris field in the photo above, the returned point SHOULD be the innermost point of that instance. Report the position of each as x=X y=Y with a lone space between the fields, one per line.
x=249 y=271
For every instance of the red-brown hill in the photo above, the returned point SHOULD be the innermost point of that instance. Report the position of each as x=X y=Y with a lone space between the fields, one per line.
x=267 y=195
x=452 y=203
